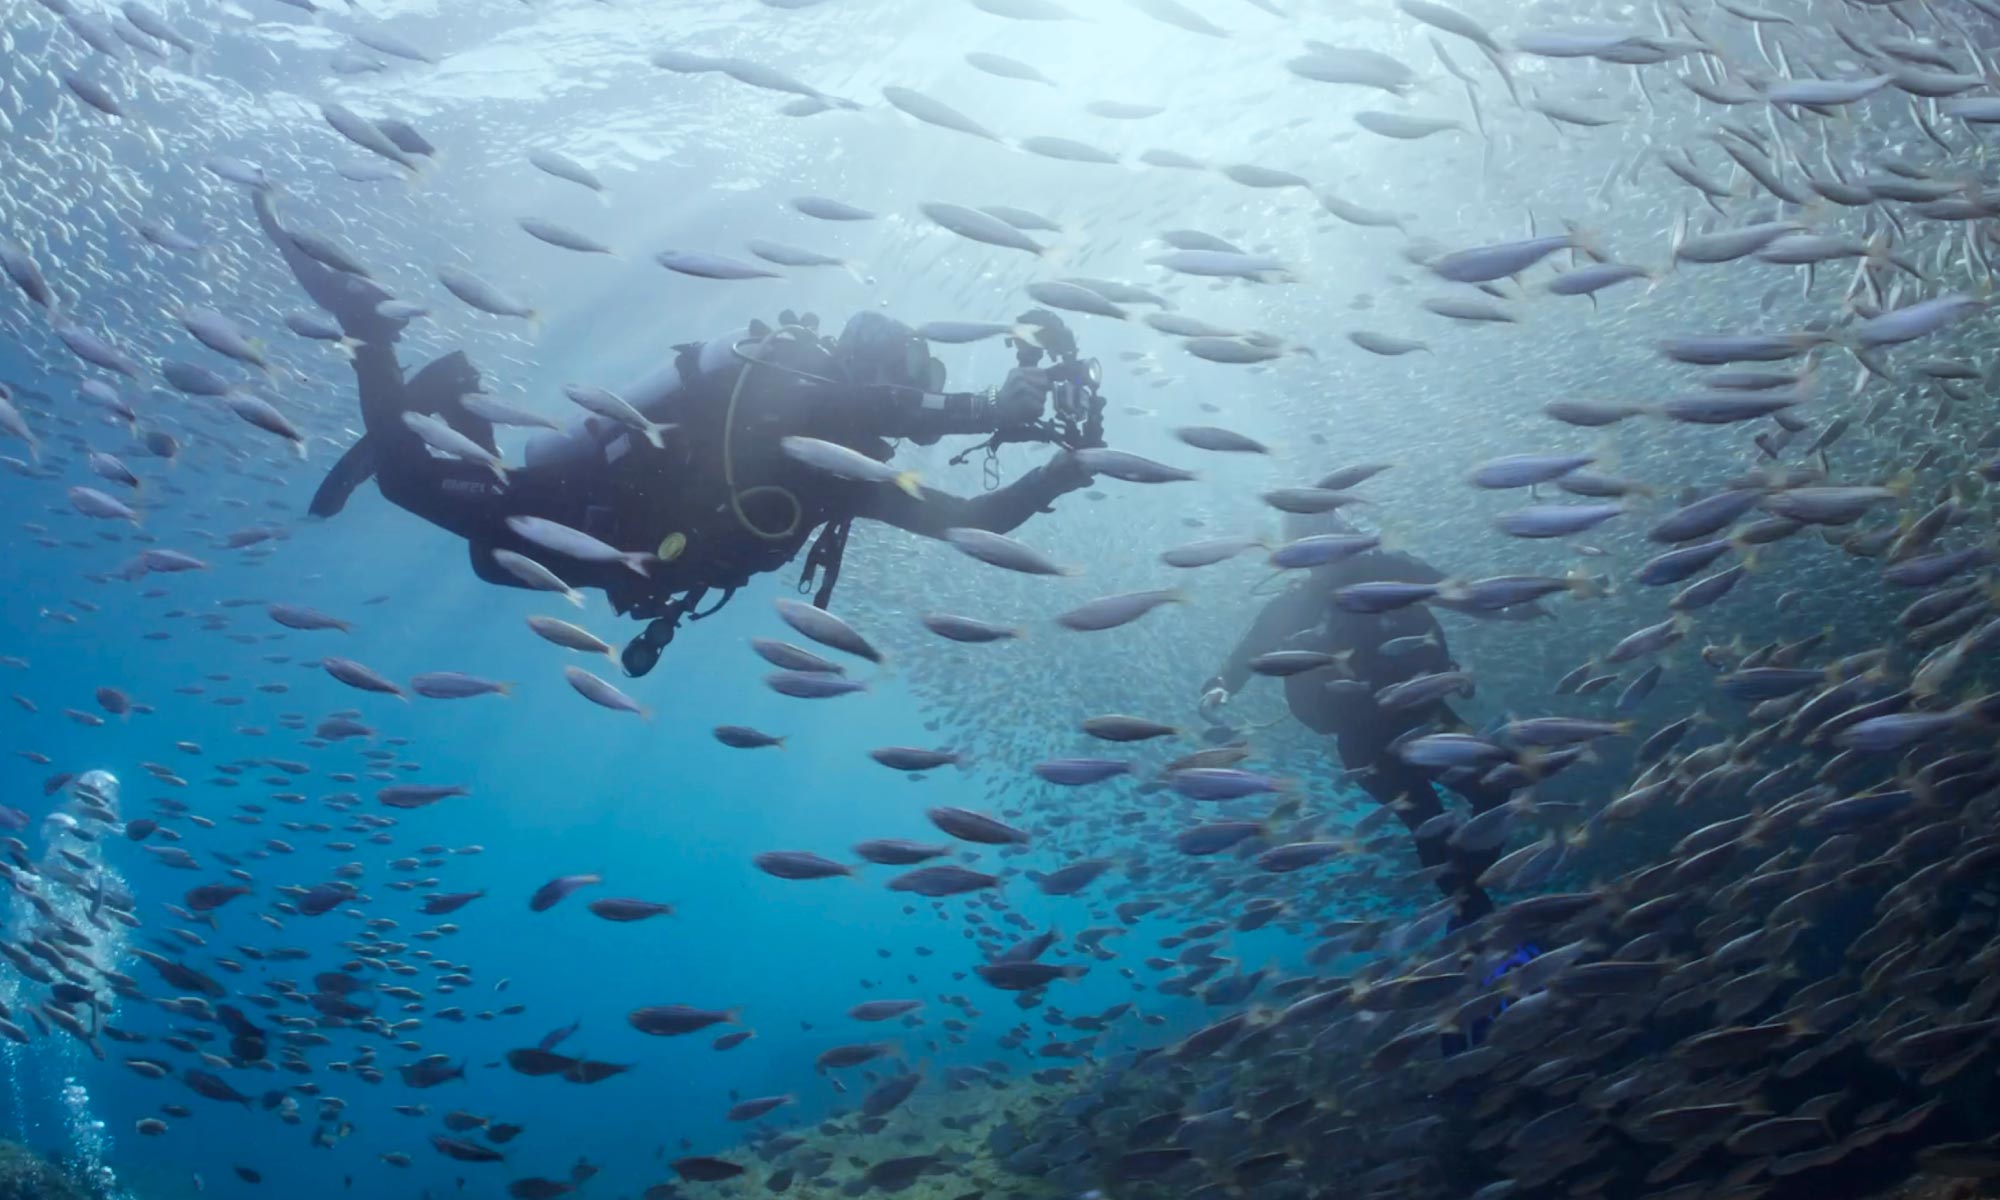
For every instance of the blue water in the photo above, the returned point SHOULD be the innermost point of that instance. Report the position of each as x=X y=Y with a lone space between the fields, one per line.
x=655 y=806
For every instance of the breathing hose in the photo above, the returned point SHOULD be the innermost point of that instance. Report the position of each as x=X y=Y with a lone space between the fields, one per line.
x=736 y=497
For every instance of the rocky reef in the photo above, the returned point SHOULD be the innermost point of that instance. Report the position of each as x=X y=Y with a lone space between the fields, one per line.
x=1929 y=1188
x=25 y=1175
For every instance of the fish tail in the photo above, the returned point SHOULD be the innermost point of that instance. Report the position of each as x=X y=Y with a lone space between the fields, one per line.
x=910 y=482
x=639 y=562
x=655 y=435
x=1588 y=241
x=1746 y=553
x=1876 y=253
x=1584 y=586
x=1499 y=61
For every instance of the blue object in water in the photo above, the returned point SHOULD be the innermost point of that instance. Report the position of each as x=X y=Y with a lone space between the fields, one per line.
x=1459 y=1043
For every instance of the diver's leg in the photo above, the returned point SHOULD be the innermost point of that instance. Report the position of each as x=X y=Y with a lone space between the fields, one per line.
x=1415 y=802
x=355 y=303
x=464 y=498
x=388 y=448
x=352 y=300
x=1365 y=746
x=1469 y=865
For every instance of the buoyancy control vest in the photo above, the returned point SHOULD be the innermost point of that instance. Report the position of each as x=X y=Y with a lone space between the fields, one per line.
x=717 y=501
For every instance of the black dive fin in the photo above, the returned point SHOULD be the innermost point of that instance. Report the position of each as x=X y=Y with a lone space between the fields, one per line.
x=436 y=390
x=355 y=467
x=479 y=429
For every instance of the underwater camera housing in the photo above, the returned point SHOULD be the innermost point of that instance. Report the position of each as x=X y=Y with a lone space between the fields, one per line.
x=1073 y=394
x=1075 y=403
x=1077 y=408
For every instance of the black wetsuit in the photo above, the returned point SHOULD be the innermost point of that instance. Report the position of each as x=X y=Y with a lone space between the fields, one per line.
x=1304 y=617
x=719 y=488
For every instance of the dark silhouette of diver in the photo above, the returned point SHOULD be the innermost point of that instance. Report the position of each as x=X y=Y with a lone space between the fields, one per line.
x=719 y=502
x=1380 y=649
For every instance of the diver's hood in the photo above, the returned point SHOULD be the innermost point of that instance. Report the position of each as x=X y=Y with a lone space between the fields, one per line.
x=876 y=350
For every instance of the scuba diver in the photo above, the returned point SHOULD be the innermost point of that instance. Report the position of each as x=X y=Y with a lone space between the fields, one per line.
x=705 y=498
x=1378 y=649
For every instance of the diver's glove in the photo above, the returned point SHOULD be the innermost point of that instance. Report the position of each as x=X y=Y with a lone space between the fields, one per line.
x=1067 y=472
x=1020 y=398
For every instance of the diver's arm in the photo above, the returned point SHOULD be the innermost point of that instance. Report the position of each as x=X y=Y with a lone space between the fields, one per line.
x=314 y=277
x=1296 y=608
x=899 y=412
x=998 y=511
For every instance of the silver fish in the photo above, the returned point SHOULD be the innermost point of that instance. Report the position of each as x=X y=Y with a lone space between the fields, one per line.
x=576 y=544
x=1109 y=612
x=846 y=463
x=535 y=575
x=711 y=266
x=597 y=691
x=826 y=629
x=1002 y=551
x=563 y=167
